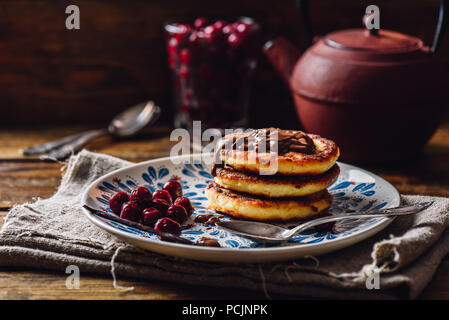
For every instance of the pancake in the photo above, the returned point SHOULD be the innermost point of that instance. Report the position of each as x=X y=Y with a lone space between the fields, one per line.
x=251 y=207
x=274 y=186
x=323 y=157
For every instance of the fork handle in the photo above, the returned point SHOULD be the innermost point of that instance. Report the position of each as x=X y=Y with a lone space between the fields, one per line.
x=390 y=212
x=73 y=146
x=48 y=146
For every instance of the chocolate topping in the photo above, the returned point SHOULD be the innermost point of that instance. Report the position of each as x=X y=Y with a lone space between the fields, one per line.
x=207 y=242
x=207 y=219
x=267 y=140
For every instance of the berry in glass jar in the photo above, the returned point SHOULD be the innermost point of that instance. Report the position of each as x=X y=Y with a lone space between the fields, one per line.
x=212 y=66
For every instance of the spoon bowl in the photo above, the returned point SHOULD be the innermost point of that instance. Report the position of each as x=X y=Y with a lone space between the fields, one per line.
x=134 y=119
x=125 y=124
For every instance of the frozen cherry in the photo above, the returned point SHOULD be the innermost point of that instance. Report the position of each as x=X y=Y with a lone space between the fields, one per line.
x=180 y=31
x=227 y=29
x=184 y=73
x=185 y=202
x=161 y=205
x=211 y=33
x=142 y=196
x=171 y=62
x=219 y=24
x=117 y=201
x=235 y=40
x=177 y=213
x=131 y=211
x=168 y=225
x=150 y=216
x=163 y=194
x=174 y=188
x=172 y=46
x=242 y=27
x=200 y=22
x=185 y=57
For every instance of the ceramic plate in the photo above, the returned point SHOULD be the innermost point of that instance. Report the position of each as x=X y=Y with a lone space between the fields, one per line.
x=355 y=189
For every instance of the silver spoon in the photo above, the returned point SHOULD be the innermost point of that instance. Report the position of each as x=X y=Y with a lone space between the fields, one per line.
x=264 y=232
x=125 y=124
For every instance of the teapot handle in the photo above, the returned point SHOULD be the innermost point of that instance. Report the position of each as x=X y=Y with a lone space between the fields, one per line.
x=303 y=7
x=441 y=25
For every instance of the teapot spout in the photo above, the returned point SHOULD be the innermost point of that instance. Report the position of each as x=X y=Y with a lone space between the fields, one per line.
x=283 y=55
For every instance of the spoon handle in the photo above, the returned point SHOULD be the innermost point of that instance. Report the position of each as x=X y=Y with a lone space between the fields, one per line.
x=67 y=149
x=48 y=146
x=391 y=212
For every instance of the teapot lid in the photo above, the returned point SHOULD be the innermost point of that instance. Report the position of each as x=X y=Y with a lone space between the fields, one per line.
x=373 y=41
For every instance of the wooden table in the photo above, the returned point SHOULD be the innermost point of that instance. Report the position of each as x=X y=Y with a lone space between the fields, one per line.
x=23 y=179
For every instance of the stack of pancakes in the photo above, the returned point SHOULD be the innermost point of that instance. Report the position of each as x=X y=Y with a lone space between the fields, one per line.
x=296 y=189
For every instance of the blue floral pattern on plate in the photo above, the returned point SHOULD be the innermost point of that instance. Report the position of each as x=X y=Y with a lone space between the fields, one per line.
x=352 y=191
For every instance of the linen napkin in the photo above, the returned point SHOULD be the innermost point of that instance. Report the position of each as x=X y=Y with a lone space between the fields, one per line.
x=53 y=233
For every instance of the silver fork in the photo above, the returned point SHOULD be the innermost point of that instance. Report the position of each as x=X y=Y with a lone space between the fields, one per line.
x=264 y=232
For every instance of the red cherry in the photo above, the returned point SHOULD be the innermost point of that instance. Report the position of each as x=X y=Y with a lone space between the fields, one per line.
x=172 y=46
x=117 y=201
x=193 y=38
x=185 y=202
x=131 y=211
x=212 y=33
x=219 y=24
x=234 y=40
x=150 y=216
x=177 y=213
x=227 y=29
x=168 y=225
x=180 y=31
x=183 y=73
x=161 y=205
x=210 y=29
x=200 y=22
x=185 y=57
x=163 y=194
x=174 y=188
x=242 y=27
x=171 y=62
x=142 y=196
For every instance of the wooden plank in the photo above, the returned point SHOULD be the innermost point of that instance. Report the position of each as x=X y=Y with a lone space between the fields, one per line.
x=152 y=142
x=438 y=289
x=22 y=182
x=43 y=285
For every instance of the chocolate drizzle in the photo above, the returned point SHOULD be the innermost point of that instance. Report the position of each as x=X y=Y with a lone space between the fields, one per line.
x=207 y=219
x=266 y=140
x=272 y=139
x=207 y=242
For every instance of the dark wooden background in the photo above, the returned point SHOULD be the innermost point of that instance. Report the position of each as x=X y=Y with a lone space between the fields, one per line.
x=49 y=74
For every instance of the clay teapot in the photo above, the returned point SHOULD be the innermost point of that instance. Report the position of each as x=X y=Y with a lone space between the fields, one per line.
x=379 y=94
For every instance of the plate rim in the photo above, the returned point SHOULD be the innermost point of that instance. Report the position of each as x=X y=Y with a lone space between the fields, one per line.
x=356 y=236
